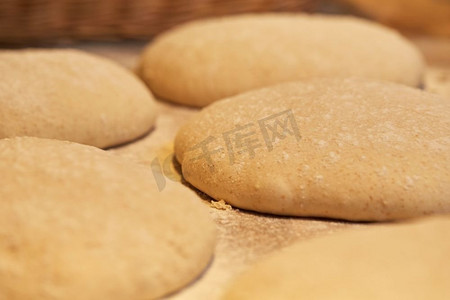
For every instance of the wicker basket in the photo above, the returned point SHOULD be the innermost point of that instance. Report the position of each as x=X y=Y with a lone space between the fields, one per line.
x=43 y=21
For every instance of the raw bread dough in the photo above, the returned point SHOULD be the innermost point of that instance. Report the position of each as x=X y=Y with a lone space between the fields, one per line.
x=203 y=61
x=71 y=95
x=360 y=150
x=408 y=261
x=77 y=222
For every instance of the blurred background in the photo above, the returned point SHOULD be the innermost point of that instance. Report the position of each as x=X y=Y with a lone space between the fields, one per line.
x=31 y=22
x=119 y=29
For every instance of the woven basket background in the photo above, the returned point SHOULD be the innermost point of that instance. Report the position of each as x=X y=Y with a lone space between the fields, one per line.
x=43 y=21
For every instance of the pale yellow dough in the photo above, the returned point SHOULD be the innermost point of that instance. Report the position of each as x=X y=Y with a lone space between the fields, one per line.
x=203 y=61
x=365 y=150
x=79 y=223
x=408 y=261
x=71 y=95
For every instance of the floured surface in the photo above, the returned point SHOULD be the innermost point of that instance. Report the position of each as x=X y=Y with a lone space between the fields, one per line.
x=242 y=237
x=395 y=261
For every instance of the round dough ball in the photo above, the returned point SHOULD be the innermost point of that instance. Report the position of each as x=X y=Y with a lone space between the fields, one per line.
x=352 y=148
x=79 y=223
x=71 y=95
x=407 y=261
x=204 y=61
